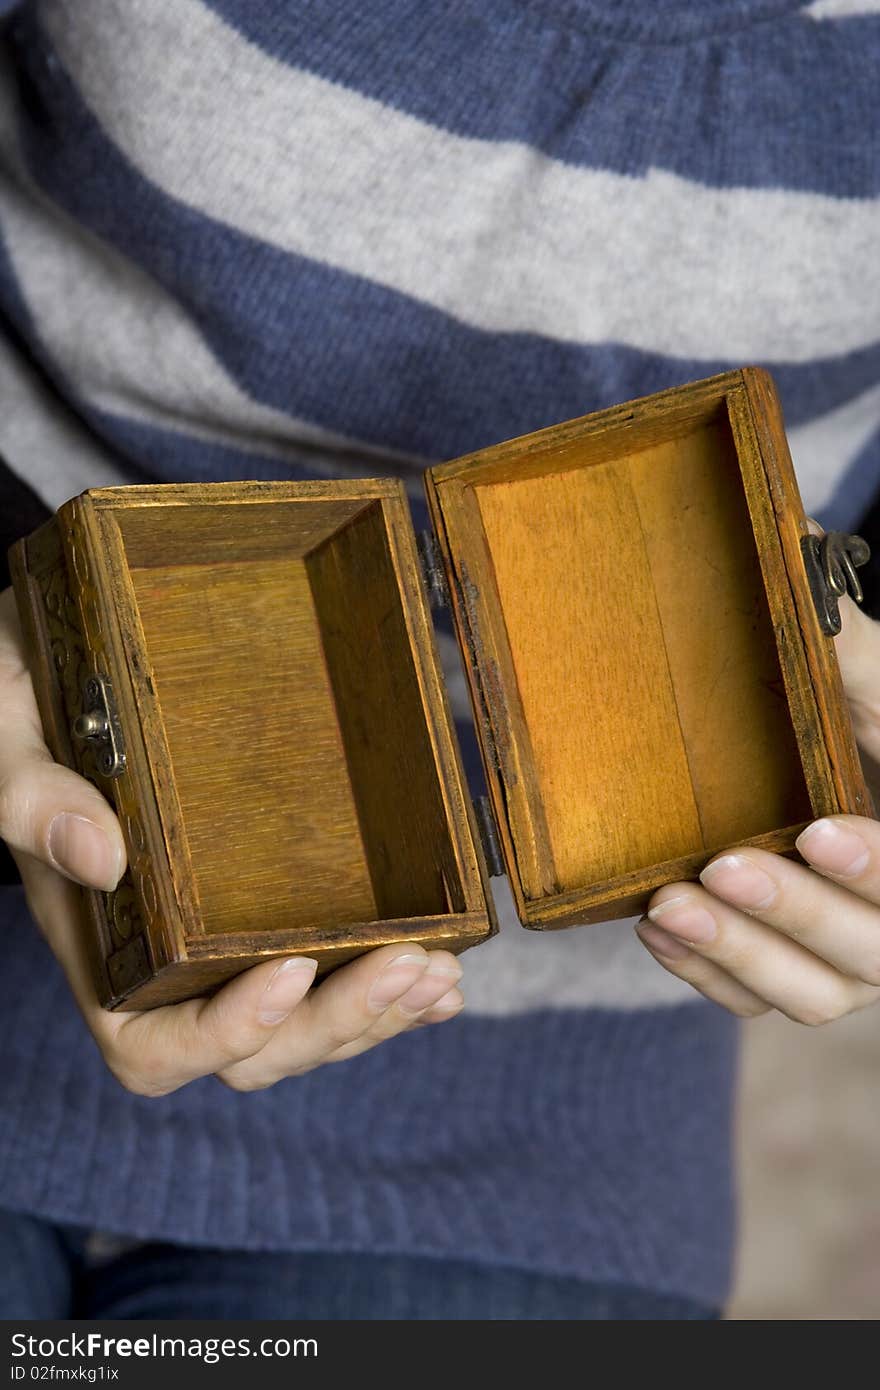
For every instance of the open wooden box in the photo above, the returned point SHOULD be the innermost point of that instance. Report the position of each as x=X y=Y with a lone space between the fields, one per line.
x=252 y=678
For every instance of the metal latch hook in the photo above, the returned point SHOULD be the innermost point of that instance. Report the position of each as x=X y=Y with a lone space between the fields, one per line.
x=830 y=562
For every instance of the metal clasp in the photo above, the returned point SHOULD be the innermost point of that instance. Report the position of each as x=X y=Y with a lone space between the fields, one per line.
x=99 y=725
x=830 y=562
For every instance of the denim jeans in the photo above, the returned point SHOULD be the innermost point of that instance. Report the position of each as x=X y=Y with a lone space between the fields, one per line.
x=47 y=1272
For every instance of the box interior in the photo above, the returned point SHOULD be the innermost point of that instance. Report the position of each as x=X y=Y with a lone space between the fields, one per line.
x=651 y=707
x=295 y=723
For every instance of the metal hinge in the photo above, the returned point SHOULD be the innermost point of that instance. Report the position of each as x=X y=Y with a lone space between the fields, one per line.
x=432 y=569
x=489 y=837
x=830 y=562
x=99 y=725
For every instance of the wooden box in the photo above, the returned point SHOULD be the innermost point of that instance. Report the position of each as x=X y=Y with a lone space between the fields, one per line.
x=251 y=676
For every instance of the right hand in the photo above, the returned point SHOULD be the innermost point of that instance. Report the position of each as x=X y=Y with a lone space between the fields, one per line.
x=264 y=1025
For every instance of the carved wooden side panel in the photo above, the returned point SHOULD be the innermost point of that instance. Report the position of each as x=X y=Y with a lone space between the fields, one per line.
x=127 y=918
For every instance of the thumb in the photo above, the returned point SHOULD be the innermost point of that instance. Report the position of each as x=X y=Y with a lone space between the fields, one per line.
x=51 y=814
x=47 y=811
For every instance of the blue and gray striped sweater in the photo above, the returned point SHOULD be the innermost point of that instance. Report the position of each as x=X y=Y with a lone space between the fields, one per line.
x=276 y=239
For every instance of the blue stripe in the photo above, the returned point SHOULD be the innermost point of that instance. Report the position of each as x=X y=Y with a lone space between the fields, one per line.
x=785 y=104
x=171 y=456
x=589 y=1143
x=162 y=454
x=166 y=455
x=855 y=490
x=347 y=354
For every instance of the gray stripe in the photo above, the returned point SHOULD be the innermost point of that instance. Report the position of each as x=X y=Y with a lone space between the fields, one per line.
x=492 y=232
x=841 y=9
x=822 y=450
x=44 y=442
x=147 y=361
x=603 y=966
x=128 y=348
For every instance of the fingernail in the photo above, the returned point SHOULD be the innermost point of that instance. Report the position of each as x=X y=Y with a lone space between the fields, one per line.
x=738 y=881
x=287 y=987
x=685 y=918
x=661 y=942
x=834 y=848
x=82 y=851
x=429 y=989
x=452 y=1002
x=397 y=977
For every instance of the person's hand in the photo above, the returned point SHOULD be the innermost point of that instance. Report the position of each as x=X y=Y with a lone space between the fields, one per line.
x=264 y=1025
x=760 y=932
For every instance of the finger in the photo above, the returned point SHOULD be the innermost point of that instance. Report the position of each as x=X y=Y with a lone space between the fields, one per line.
x=56 y=906
x=840 y=924
x=352 y=1011
x=47 y=811
x=156 y=1052
x=441 y=975
x=771 y=965
x=705 y=976
x=360 y=1005
x=858 y=652
x=404 y=1016
x=446 y=1008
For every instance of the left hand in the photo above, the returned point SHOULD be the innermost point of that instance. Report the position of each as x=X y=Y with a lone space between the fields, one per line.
x=264 y=1025
x=760 y=932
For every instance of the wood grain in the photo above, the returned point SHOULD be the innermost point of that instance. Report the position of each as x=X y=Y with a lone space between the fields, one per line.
x=157 y=538
x=731 y=702
x=574 y=583
x=382 y=722
x=258 y=760
x=599 y=437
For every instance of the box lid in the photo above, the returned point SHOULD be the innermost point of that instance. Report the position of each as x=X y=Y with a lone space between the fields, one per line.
x=649 y=676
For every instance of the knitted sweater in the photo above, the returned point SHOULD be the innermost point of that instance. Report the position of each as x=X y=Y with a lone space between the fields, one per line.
x=269 y=239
